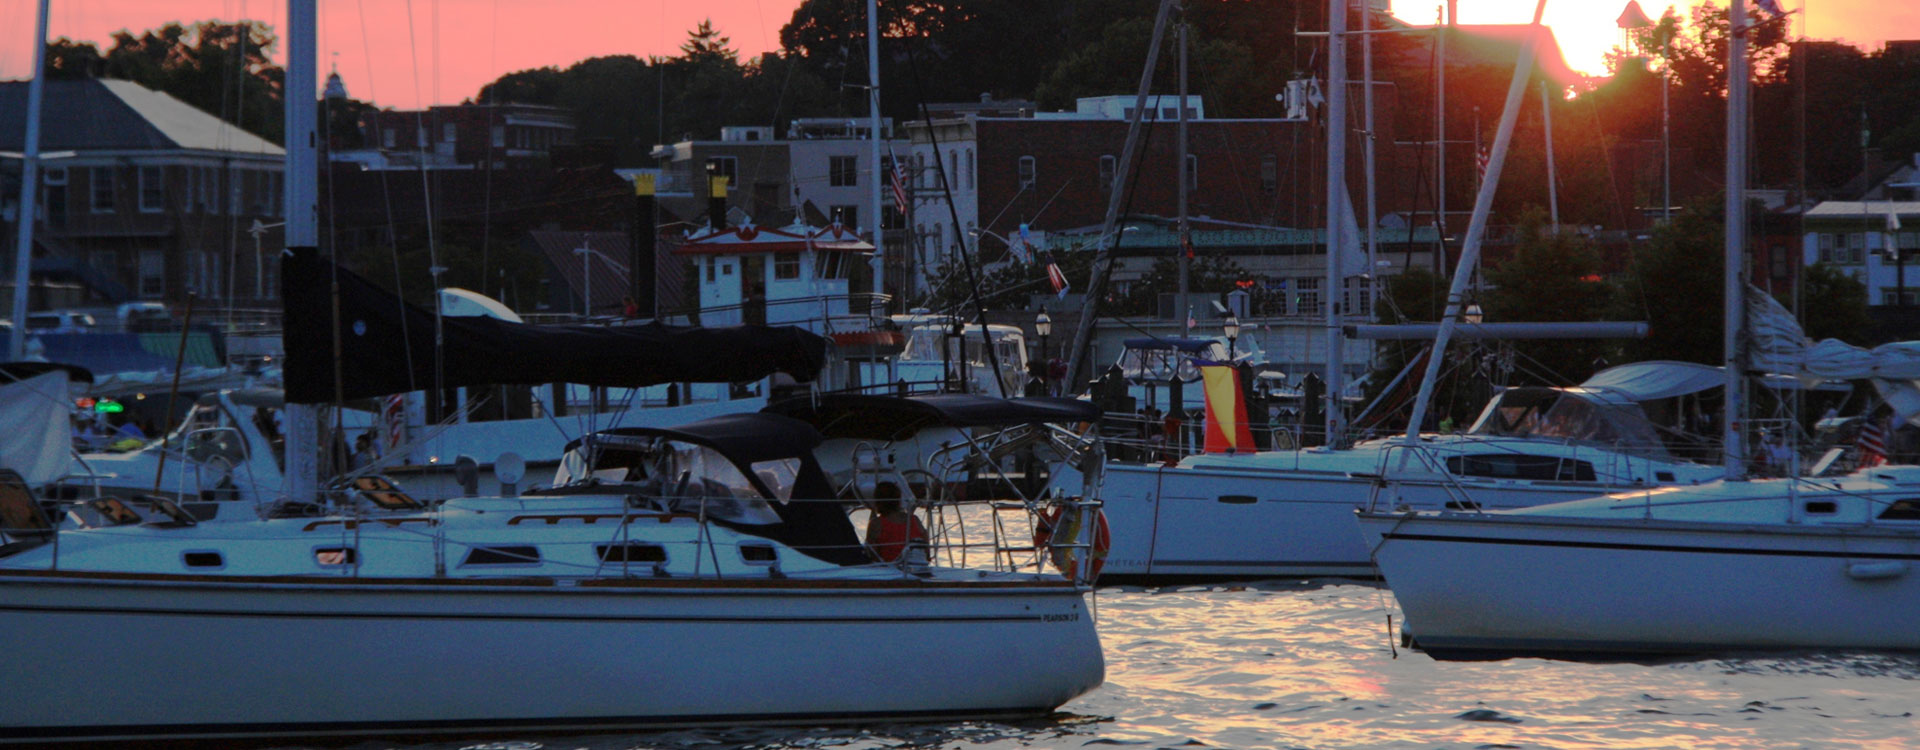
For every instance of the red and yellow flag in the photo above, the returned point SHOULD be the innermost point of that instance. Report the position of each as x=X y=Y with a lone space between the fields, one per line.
x=1227 y=429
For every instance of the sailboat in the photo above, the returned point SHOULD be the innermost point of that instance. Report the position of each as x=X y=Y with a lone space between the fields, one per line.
x=1737 y=563
x=1249 y=514
x=705 y=574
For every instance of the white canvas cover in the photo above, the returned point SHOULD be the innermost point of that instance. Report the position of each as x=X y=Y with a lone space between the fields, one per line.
x=1780 y=347
x=1646 y=381
x=38 y=441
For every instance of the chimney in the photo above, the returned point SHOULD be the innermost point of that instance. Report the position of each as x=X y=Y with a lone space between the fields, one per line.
x=641 y=247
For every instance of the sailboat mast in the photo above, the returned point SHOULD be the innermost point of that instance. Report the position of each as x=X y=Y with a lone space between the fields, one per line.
x=1183 y=307
x=29 y=190
x=879 y=264
x=302 y=211
x=1373 y=207
x=1336 y=219
x=1734 y=455
x=1477 y=224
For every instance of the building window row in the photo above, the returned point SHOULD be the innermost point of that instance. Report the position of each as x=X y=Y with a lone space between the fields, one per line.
x=843 y=171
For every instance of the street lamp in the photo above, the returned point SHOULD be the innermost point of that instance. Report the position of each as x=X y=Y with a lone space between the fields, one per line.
x=1043 y=327
x=259 y=260
x=1472 y=315
x=1231 y=327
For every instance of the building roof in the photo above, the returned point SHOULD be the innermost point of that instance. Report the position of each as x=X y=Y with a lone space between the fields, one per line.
x=1862 y=209
x=112 y=115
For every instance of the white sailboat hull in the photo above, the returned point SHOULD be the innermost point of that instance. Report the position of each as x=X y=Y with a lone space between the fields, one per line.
x=1493 y=583
x=1194 y=523
x=129 y=657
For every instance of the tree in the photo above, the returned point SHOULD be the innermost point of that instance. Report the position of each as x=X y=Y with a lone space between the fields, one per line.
x=1833 y=305
x=223 y=69
x=1551 y=276
x=705 y=45
x=1676 y=285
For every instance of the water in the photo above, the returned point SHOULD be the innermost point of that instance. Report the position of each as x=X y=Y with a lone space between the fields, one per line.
x=1304 y=665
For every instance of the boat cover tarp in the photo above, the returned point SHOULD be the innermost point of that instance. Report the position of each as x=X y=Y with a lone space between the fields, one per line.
x=1657 y=379
x=819 y=529
x=38 y=441
x=387 y=346
x=876 y=417
x=1779 y=346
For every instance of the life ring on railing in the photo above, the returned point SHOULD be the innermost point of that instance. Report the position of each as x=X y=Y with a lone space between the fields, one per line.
x=1058 y=522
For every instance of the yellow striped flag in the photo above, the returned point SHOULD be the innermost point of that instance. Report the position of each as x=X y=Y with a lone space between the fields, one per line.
x=1227 y=429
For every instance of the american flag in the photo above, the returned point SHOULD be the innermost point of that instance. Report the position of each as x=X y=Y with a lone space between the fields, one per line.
x=1872 y=443
x=898 y=177
x=394 y=415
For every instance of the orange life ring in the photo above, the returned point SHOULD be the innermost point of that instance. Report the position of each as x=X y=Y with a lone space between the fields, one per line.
x=1064 y=558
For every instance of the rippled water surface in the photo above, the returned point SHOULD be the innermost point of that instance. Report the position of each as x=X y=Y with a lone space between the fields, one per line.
x=1301 y=665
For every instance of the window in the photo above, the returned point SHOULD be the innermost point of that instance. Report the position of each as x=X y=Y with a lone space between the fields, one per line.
x=1359 y=296
x=202 y=559
x=1306 y=296
x=449 y=133
x=1107 y=169
x=920 y=171
x=631 y=552
x=1827 y=245
x=1519 y=466
x=1269 y=173
x=843 y=171
x=387 y=138
x=969 y=173
x=1193 y=172
x=328 y=557
x=1169 y=113
x=153 y=273
x=100 y=189
x=1029 y=174
x=499 y=136
x=759 y=554
x=504 y=555
x=53 y=206
x=1778 y=255
x=725 y=166
x=953 y=168
x=786 y=266
x=712 y=263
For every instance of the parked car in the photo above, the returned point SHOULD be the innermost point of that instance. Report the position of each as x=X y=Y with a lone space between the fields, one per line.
x=144 y=316
x=59 y=321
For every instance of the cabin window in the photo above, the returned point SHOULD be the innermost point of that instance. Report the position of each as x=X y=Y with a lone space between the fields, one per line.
x=1238 y=499
x=1518 y=466
x=508 y=555
x=333 y=557
x=786 y=266
x=1902 y=510
x=1822 y=507
x=202 y=559
x=631 y=552
x=778 y=476
x=759 y=554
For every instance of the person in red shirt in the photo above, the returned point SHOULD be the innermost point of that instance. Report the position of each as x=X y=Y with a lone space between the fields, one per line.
x=893 y=531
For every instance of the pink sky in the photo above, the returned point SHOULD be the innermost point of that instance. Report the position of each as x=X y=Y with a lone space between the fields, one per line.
x=478 y=40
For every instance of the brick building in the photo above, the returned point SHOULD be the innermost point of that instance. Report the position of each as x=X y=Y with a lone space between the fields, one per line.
x=142 y=196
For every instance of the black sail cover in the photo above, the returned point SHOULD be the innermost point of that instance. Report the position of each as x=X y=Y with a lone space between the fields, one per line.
x=387 y=346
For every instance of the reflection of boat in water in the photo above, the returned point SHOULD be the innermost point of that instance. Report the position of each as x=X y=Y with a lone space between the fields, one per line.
x=1291 y=512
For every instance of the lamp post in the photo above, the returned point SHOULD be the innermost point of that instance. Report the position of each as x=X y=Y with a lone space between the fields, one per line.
x=1472 y=315
x=1231 y=327
x=1043 y=327
x=259 y=260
